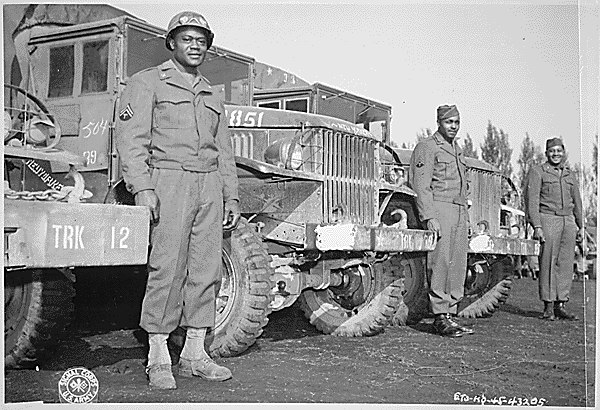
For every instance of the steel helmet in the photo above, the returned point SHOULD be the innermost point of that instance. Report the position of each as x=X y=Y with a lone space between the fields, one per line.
x=189 y=19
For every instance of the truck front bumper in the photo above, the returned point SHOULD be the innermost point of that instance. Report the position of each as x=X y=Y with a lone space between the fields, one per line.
x=353 y=237
x=58 y=234
x=503 y=245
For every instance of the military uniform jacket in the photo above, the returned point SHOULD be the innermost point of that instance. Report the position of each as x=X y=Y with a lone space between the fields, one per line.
x=437 y=173
x=164 y=122
x=550 y=191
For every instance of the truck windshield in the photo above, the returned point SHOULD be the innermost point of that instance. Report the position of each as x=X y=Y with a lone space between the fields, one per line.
x=229 y=76
x=361 y=113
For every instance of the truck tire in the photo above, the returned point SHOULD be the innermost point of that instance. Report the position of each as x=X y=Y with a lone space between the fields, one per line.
x=365 y=319
x=487 y=287
x=37 y=308
x=415 y=305
x=244 y=296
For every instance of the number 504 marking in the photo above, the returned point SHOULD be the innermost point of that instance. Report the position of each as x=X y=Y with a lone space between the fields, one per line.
x=120 y=236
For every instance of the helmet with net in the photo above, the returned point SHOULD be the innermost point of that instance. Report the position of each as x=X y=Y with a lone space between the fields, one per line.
x=188 y=19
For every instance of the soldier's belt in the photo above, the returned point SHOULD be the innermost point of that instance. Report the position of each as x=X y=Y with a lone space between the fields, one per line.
x=458 y=200
x=186 y=165
x=560 y=212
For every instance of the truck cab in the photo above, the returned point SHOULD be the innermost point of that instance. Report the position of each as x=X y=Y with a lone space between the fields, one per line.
x=78 y=74
x=322 y=99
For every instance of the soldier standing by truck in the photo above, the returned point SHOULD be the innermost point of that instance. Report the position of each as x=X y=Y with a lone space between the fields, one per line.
x=438 y=176
x=554 y=209
x=177 y=160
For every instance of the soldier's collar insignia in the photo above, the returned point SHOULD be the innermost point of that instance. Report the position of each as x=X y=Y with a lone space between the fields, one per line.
x=126 y=113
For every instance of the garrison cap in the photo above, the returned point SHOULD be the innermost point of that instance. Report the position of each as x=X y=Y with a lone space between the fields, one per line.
x=189 y=19
x=553 y=142
x=446 y=111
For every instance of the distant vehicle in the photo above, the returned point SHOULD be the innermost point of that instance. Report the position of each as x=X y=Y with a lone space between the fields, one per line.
x=586 y=255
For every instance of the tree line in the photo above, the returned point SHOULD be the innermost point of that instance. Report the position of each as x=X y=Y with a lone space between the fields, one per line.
x=496 y=150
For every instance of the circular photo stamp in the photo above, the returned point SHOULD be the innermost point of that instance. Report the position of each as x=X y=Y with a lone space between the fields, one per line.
x=78 y=385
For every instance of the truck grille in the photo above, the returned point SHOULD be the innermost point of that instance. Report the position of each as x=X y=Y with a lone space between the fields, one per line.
x=486 y=198
x=349 y=167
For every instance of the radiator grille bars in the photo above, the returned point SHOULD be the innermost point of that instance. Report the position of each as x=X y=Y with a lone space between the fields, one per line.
x=350 y=192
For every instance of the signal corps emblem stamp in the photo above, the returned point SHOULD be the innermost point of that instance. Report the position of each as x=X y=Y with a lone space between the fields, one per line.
x=78 y=385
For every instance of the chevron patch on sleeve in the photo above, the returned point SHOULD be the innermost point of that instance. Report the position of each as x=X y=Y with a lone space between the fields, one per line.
x=126 y=113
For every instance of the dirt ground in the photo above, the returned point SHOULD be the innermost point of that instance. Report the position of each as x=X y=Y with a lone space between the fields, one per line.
x=512 y=354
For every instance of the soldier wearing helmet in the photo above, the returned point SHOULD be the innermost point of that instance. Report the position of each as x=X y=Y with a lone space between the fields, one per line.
x=177 y=160
x=188 y=19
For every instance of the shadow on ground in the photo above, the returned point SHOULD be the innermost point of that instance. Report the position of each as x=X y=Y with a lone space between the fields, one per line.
x=515 y=310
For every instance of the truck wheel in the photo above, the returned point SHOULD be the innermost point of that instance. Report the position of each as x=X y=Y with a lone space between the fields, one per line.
x=332 y=312
x=486 y=287
x=244 y=296
x=37 y=308
x=415 y=304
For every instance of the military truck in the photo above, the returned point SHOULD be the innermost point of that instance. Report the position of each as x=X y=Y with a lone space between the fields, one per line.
x=498 y=231
x=328 y=220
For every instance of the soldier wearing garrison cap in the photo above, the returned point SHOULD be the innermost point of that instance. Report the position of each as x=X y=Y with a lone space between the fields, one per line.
x=554 y=209
x=438 y=176
x=177 y=159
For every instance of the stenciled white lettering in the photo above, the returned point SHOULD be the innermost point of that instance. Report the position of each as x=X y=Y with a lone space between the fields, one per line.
x=48 y=179
x=72 y=236
x=68 y=237
x=56 y=234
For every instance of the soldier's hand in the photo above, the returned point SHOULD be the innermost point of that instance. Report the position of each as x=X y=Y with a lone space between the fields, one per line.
x=149 y=198
x=434 y=225
x=231 y=214
x=538 y=233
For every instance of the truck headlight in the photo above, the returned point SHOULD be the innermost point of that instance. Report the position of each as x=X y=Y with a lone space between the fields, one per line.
x=285 y=153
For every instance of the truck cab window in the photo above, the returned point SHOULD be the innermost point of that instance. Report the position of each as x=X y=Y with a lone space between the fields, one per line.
x=62 y=68
x=300 y=105
x=95 y=67
x=272 y=104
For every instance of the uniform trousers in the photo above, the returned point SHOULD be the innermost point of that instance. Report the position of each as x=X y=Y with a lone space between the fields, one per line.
x=184 y=266
x=447 y=263
x=557 y=256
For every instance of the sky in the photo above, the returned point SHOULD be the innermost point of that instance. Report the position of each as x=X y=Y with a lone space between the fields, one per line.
x=528 y=67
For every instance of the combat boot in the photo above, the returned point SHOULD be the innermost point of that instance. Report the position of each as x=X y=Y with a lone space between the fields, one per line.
x=159 y=371
x=548 y=311
x=160 y=376
x=205 y=368
x=194 y=361
x=443 y=326
x=561 y=313
x=464 y=329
